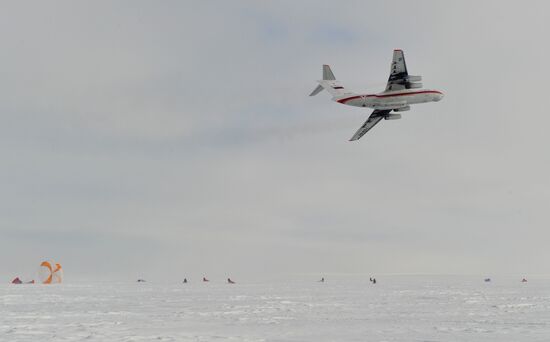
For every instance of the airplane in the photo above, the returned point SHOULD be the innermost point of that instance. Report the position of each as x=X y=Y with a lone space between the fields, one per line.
x=402 y=91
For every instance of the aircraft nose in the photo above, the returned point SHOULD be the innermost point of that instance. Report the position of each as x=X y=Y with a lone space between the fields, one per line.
x=439 y=96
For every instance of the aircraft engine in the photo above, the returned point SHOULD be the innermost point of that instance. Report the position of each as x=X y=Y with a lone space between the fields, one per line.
x=415 y=85
x=414 y=78
x=392 y=117
x=402 y=109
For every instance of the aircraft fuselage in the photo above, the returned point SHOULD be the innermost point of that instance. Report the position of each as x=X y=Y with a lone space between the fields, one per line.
x=398 y=99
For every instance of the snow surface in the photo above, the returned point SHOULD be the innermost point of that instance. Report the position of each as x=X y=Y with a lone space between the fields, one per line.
x=341 y=309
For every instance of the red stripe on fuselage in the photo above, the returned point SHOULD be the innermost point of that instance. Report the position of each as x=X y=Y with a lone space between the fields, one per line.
x=389 y=95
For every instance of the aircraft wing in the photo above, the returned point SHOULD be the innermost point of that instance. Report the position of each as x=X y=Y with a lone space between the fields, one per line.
x=373 y=119
x=398 y=72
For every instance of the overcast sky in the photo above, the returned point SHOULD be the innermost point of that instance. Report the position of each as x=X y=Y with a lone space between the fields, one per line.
x=171 y=139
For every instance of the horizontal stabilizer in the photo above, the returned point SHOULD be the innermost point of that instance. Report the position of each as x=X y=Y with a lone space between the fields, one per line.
x=316 y=90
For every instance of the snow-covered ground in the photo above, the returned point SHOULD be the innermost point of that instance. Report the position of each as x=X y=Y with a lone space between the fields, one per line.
x=341 y=309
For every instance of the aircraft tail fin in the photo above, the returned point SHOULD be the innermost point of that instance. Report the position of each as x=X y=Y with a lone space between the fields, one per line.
x=327 y=76
x=327 y=73
x=330 y=84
